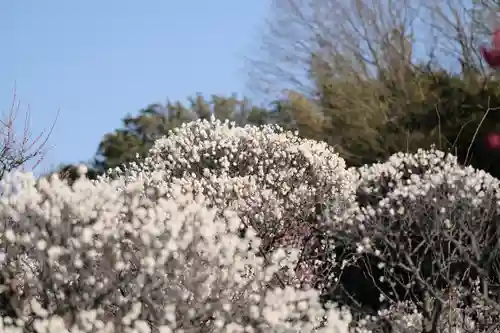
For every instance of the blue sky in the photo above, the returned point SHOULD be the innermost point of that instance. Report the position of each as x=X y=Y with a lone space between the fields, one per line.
x=96 y=61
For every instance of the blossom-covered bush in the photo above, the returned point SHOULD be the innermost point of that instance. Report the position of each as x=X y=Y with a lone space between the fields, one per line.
x=422 y=226
x=160 y=246
x=275 y=181
x=252 y=229
x=103 y=257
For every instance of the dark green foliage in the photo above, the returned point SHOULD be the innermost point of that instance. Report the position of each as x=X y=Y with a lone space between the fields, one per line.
x=368 y=120
x=457 y=115
x=70 y=173
x=139 y=132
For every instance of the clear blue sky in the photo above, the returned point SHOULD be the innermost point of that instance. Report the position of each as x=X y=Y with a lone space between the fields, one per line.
x=96 y=61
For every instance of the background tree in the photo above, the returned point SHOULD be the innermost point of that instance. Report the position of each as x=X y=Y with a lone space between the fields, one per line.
x=353 y=38
x=358 y=75
x=139 y=132
x=72 y=172
x=453 y=112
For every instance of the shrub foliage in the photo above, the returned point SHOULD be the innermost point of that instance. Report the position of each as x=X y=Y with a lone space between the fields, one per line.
x=223 y=228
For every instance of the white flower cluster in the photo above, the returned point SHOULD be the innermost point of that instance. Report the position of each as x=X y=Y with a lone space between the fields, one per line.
x=141 y=253
x=272 y=178
x=424 y=224
x=427 y=185
x=219 y=229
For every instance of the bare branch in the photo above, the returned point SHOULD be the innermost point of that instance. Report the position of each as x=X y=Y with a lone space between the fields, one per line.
x=17 y=151
x=353 y=38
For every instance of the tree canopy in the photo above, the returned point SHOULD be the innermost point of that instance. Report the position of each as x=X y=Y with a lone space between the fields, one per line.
x=140 y=131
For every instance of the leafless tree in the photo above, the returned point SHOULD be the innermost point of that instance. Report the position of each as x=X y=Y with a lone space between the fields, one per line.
x=20 y=151
x=352 y=37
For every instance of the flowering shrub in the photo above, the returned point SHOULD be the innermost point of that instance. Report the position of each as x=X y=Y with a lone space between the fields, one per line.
x=275 y=181
x=226 y=229
x=457 y=314
x=422 y=226
x=159 y=247
x=104 y=258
